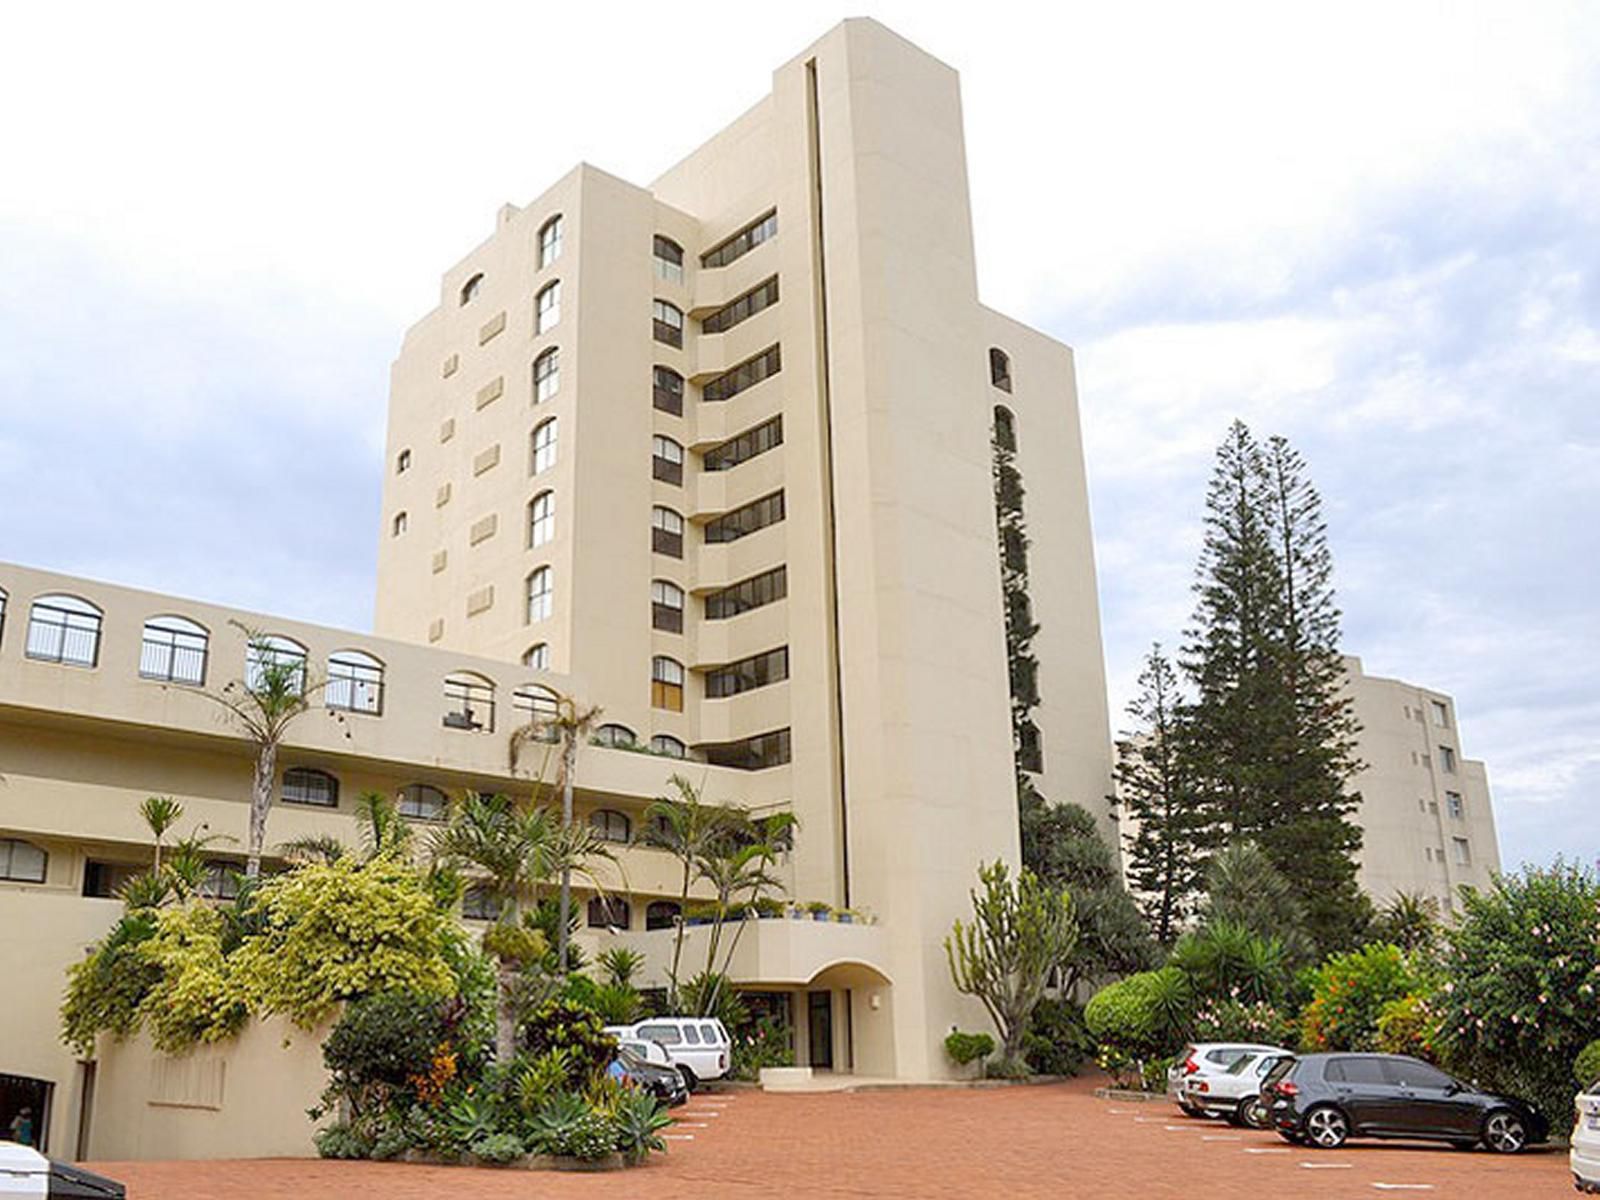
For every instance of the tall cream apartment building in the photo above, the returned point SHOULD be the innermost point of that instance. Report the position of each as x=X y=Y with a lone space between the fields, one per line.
x=714 y=454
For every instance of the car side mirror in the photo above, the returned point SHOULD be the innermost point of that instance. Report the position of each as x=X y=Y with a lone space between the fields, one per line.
x=1452 y=1088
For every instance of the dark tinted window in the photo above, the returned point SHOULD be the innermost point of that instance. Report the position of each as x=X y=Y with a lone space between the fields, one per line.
x=747 y=594
x=1355 y=1070
x=742 y=242
x=1407 y=1072
x=746 y=375
x=758 y=514
x=1279 y=1073
x=763 y=295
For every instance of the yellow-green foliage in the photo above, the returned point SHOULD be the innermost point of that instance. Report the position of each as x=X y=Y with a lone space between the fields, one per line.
x=341 y=929
x=194 y=1000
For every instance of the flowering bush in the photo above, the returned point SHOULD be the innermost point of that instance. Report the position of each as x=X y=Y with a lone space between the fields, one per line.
x=765 y=1042
x=1409 y=1025
x=1348 y=995
x=1524 y=969
x=1234 y=1020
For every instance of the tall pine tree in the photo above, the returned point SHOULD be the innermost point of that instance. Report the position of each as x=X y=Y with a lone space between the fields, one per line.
x=1166 y=852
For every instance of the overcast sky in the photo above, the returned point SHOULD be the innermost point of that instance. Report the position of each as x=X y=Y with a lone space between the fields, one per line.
x=1373 y=230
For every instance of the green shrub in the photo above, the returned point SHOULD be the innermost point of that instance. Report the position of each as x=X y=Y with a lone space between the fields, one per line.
x=1225 y=960
x=638 y=1120
x=1350 y=992
x=1586 y=1067
x=383 y=1039
x=696 y=996
x=964 y=1048
x=567 y=1125
x=579 y=1031
x=341 y=1141
x=1142 y=1015
x=1409 y=1026
x=766 y=1042
x=1057 y=1041
x=1153 y=1075
x=497 y=1148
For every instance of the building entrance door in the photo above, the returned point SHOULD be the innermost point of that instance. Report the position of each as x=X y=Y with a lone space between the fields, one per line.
x=819 y=1007
x=25 y=1109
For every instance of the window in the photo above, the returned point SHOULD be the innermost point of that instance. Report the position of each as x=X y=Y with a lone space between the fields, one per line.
x=666 y=532
x=747 y=674
x=306 y=785
x=762 y=229
x=660 y=914
x=669 y=259
x=758 y=514
x=539 y=703
x=1355 y=1070
x=666 y=606
x=423 y=802
x=549 y=241
x=541 y=519
x=742 y=308
x=671 y=747
x=22 y=862
x=747 y=594
x=173 y=651
x=1406 y=1073
x=609 y=912
x=402 y=462
x=667 y=460
x=544 y=446
x=1454 y=805
x=753 y=753
x=615 y=736
x=469 y=702
x=667 y=390
x=541 y=595
x=471 y=288
x=1441 y=713
x=355 y=682
x=667 y=323
x=666 y=1035
x=400 y=523
x=64 y=629
x=666 y=684
x=537 y=656
x=104 y=880
x=1463 y=851
x=271 y=661
x=610 y=824
x=746 y=375
x=547 y=308
x=479 y=903
x=546 y=375
x=221 y=881
x=745 y=446
x=1447 y=760
x=999 y=368
x=1005 y=428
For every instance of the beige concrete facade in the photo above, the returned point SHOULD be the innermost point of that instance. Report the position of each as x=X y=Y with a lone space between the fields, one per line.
x=1426 y=816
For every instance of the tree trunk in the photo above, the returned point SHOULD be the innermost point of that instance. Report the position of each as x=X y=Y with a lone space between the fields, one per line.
x=569 y=753
x=505 y=1014
x=260 y=802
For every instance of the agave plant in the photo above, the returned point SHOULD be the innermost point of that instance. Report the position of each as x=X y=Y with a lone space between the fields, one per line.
x=638 y=1118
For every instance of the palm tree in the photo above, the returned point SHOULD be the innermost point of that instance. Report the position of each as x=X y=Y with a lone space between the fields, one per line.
x=160 y=813
x=264 y=705
x=736 y=864
x=383 y=830
x=570 y=724
x=1410 y=920
x=517 y=849
x=688 y=829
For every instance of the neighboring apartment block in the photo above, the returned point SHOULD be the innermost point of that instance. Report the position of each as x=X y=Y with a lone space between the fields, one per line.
x=714 y=454
x=1425 y=815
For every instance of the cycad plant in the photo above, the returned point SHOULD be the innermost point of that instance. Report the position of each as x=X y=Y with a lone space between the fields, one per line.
x=160 y=813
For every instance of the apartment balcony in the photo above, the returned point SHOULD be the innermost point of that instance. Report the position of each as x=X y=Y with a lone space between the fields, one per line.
x=715 y=492
x=714 y=288
x=718 y=564
x=745 y=715
x=713 y=643
x=772 y=952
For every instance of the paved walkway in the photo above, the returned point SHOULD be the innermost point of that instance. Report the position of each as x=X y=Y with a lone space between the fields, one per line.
x=1046 y=1141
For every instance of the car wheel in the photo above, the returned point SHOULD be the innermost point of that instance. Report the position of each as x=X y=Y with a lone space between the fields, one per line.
x=1504 y=1132
x=1252 y=1113
x=1326 y=1127
x=689 y=1081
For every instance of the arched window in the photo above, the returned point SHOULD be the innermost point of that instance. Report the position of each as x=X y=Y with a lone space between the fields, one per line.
x=671 y=747
x=22 y=862
x=1005 y=428
x=660 y=914
x=667 y=390
x=541 y=595
x=550 y=241
x=609 y=912
x=479 y=903
x=669 y=259
x=666 y=606
x=615 y=735
x=544 y=446
x=174 y=650
x=666 y=683
x=541 y=519
x=402 y=462
x=355 y=682
x=1000 y=368
x=469 y=702
x=610 y=824
x=537 y=656
x=423 y=802
x=666 y=460
x=668 y=323
x=307 y=785
x=271 y=661
x=546 y=375
x=64 y=629
x=666 y=532
x=547 y=308
x=470 y=289
x=538 y=706
x=400 y=523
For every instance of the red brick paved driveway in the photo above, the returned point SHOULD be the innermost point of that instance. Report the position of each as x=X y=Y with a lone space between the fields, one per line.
x=1056 y=1141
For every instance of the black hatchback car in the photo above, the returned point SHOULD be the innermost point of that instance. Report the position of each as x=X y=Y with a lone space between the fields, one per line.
x=1322 y=1099
x=664 y=1083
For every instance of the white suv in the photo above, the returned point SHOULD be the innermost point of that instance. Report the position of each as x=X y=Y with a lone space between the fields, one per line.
x=1203 y=1063
x=698 y=1047
x=1236 y=1092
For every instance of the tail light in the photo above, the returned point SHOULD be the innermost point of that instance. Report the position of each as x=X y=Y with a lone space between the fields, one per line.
x=722 y=1062
x=1190 y=1067
x=1286 y=1087
x=1201 y=1086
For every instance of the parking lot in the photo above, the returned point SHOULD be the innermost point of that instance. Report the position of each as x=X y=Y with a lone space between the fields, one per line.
x=1051 y=1140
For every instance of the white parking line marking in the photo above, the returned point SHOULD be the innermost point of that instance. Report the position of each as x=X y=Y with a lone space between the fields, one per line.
x=690 y=1125
x=1151 y=1120
x=1404 y=1187
x=1267 y=1150
x=1328 y=1166
x=1179 y=1128
x=1220 y=1137
x=678 y=1137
